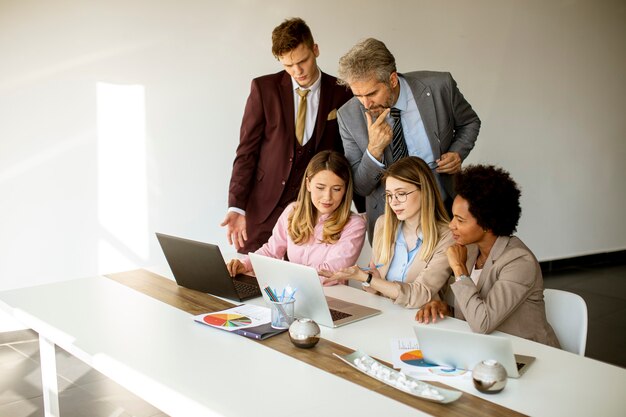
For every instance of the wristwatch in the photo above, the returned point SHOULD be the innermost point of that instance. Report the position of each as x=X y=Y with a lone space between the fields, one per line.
x=366 y=283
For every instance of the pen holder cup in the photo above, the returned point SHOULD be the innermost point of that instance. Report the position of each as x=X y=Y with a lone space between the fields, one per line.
x=282 y=313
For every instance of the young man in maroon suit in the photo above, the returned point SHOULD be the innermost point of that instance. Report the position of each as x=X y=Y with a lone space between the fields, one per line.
x=280 y=132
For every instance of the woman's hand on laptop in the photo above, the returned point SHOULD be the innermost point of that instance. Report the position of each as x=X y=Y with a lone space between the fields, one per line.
x=432 y=310
x=235 y=267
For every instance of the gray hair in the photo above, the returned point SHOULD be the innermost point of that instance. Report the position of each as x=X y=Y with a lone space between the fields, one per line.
x=368 y=58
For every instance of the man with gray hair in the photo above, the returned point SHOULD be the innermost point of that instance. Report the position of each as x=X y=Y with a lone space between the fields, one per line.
x=394 y=115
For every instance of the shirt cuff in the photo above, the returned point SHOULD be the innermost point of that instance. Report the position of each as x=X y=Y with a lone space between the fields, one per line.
x=376 y=161
x=237 y=210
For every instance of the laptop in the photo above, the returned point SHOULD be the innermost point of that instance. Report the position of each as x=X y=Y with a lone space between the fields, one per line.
x=200 y=266
x=463 y=350
x=310 y=299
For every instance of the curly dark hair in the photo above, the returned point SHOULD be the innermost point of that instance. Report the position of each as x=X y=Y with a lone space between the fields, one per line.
x=493 y=197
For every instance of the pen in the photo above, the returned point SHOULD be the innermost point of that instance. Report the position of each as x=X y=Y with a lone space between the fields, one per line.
x=269 y=293
x=367 y=268
x=272 y=296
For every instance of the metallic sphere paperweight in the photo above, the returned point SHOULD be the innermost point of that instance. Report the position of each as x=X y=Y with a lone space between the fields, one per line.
x=304 y=333
x=489 y=376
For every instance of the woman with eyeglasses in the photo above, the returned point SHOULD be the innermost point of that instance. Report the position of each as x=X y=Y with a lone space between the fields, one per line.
x=409 y=263
x=318 y=229
x=498 y=279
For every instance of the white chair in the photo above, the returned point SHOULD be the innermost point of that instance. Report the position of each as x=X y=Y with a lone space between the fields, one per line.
x=567 y=314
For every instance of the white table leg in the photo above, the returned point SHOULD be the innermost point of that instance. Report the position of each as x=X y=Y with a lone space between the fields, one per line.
x=49 y=378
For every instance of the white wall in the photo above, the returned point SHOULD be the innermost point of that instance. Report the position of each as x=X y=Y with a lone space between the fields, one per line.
x=121 y=119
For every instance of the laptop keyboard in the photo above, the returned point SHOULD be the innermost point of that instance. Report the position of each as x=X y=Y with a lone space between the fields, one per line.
x=247 y=290
x=338 y=315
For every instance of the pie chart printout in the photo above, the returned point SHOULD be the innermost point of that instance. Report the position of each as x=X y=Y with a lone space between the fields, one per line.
x=227 y=320
x=415 y=358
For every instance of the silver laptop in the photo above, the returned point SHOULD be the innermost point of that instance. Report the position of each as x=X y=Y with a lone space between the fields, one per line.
x=200 y=266
x=310 y=299
x=463 y=350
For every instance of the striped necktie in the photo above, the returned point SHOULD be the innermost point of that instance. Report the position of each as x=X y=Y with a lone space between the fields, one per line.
x=398 y=145
x=301 y=116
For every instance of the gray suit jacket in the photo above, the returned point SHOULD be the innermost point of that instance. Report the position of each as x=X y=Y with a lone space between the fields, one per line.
x=509 y=294
x=450 y=123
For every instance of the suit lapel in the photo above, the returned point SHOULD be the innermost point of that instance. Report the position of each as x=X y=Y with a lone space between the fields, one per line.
x=418 y=264
x=361 y=135
x=497 y=249
x=472 y=254
x=324 y=108
x=286 y=95
x=424 y=100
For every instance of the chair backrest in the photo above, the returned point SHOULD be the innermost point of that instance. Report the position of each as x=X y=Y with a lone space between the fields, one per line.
x=567 y=314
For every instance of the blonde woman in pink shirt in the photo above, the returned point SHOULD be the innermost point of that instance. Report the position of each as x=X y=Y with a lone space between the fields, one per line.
x=318 y=229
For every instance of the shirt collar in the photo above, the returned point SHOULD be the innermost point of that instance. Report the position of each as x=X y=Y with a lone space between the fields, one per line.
x=402 y=101
x=314 y=87
x=323 y=218
x=400 y=235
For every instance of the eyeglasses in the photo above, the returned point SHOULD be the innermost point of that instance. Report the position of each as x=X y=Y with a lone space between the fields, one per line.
x=400 y=196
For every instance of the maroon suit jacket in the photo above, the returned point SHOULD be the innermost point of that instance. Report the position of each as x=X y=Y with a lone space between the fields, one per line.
x=264 y=156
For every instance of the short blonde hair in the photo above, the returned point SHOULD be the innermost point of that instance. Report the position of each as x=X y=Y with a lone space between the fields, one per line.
x=433 y=215
x=301 y=223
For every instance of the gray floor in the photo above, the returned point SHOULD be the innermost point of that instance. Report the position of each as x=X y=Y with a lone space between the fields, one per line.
x=86 y=392
x=83 y=391
x=604 y=291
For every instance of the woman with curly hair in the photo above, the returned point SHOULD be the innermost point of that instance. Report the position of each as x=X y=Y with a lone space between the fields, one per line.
x=318 y=229
x=410 y=239
x=498 y=283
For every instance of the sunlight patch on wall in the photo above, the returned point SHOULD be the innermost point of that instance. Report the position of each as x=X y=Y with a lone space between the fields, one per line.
x=122 y=182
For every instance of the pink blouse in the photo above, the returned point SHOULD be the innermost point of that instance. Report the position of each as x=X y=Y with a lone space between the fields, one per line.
x=315 y=253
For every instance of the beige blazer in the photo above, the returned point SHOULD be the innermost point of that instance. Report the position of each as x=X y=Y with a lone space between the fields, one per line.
x=509 y=293
x=424 y=278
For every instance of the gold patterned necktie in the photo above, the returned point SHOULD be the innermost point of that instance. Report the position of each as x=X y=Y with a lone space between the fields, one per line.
x=301 y=117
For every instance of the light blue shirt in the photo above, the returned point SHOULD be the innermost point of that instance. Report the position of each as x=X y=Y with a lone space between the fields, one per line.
x=417 y=142
x=413 y=126
x=402 y=257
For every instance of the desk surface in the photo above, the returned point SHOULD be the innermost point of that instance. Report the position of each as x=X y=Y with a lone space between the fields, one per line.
x=159 y=353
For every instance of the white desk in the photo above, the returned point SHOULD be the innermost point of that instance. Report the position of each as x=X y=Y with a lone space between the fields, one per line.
x=160 y=354
x=185 y=369
x=558 y=383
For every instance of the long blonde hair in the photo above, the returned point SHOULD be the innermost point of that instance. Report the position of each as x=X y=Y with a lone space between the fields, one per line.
x=432 y=213
x=301 y=223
